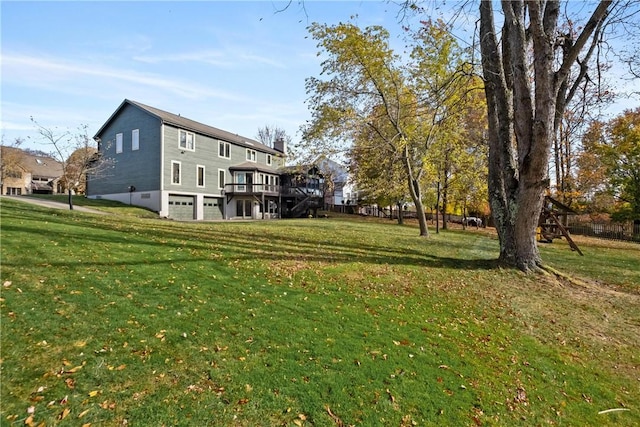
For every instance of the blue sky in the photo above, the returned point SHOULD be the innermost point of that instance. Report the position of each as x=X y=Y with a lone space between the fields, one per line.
x=235 y=65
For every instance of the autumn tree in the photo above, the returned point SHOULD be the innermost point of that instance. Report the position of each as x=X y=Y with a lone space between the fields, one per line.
x=526 y=67
x=371 y=90
x=11 y=158
x=591 y=179
x=443 y=77
x=78 y=154
x=365 y=88
x=377 y=168
x=616 y=147
x=469 y=180
x=586 y=93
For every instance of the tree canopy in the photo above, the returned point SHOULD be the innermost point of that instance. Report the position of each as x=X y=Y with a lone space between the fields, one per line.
x=390 y=111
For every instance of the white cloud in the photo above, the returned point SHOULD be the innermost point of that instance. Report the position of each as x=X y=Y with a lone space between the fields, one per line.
x=48 y=73
x=228 y=58
x=210 y=57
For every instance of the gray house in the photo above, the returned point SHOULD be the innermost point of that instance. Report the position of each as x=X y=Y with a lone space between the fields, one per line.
x=185 y=170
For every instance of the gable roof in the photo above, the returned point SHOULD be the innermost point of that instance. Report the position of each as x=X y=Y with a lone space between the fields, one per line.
x=40 y=166
x=253 y=166
x=191 y=125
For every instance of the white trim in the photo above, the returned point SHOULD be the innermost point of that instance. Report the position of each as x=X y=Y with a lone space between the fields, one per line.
x=204 y=174
x=199 y=206
x=135 y=139
x=119 y=142
x=186 y=143
x=227 y=148
x=251 y=155
x=176 y=162
x=162 y=160
x=221 y=187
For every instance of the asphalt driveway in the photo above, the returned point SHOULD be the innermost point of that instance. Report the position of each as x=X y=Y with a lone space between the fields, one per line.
x=52 y=204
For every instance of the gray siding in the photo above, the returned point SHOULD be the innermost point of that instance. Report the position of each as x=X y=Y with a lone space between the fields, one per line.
x=205 y=154
x=138 y=168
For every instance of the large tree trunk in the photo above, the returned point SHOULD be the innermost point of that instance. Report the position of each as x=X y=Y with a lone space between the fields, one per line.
x=521 y=118
x=518 y=140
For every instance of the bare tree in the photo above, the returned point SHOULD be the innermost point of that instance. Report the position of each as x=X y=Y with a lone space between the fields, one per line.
x=272 y=135
x=78 y=154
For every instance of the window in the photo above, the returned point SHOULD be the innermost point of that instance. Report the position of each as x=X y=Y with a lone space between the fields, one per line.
x=240 y=180
x=269 y=159
x=135 y=139
x=200 y=175
x=224 y=149
x=221 y=178
x=251 y=155
x=187 y=140
x=118 y=143
x=175 y=173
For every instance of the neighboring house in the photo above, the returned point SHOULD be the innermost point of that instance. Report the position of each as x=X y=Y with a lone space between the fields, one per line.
x=27 y=173
x=341 y=189
x=186 y=170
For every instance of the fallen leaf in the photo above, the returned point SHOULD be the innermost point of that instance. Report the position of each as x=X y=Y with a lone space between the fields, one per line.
x=71 y=383
x=107 y=405
x=7 y=283
x=31 y=409
x=94 y=393
x=83 y=413
x=29 y=421
x=64 y=413
x=393 y=399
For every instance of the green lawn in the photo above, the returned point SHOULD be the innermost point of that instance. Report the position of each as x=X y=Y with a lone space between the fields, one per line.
x=120 y=319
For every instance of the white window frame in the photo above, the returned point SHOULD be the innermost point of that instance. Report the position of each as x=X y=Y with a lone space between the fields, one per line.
x=227 y=149
x=251 y=155
x=186 y=146
x=269 y=159
x=135 y=140
x=173 y=164
x=204 y=174
x=119 y=142
x=222 y=173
